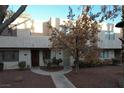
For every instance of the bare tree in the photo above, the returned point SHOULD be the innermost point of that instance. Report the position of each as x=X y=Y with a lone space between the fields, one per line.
x=3 y=12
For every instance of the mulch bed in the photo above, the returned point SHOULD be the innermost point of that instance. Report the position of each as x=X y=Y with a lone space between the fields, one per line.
x=24 y=79
x=96 y=77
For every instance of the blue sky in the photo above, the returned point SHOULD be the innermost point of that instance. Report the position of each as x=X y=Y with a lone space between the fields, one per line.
x=44 y=12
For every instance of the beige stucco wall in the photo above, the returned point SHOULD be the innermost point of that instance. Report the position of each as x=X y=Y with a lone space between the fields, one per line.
x=11 y=65
x=24 y=40
x=104 y=43
x=25 y=55
x=41 y=62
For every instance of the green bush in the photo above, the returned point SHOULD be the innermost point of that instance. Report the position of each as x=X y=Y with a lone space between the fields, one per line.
x=1 y=66
x=22 y=65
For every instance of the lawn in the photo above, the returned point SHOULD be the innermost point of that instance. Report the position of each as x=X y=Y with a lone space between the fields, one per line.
x=96 y=77
x=24 y=79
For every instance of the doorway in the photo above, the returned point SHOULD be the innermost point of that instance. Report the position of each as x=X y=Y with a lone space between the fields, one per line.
x=35 y=58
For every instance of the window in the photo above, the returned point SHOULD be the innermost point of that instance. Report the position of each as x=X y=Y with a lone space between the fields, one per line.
x=110 y=27
x=110 y=35
x=104 y=54
x=9 y=55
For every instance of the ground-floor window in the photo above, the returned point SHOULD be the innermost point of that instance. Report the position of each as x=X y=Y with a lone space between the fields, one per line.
x=104 y=54
x=9 y=55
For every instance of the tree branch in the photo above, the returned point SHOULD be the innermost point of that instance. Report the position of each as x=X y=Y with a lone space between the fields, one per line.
x=13 y=18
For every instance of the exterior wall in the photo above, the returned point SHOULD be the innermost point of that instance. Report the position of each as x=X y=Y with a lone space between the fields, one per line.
x=46 y=30
x=25 y=55
x=66 y=59
x=71 y=61
x=105 y=43
x=109 y=40
x=24 y=40
x=25 y=21
x=10 y=65
x=41 y=62
x=57 y=54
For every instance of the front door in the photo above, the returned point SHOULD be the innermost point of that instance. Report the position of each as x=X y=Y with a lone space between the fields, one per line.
x=35 y=58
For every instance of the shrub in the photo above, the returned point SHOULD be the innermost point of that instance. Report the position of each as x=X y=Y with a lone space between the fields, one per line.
x=107 y=62
x=115 y=61
x=92 y=63
x=95 y=63
x=60 y=60
x=22 y=65
x=56 y=61
x=28 y=66
x=82 y=64
x=48 y=65
x=1 y=66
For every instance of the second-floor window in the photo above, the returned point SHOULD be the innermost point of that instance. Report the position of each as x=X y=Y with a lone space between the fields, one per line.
x=110 y=27
x=109 y=35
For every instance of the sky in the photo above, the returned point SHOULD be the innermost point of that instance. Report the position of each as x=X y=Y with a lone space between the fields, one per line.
x=44 y=12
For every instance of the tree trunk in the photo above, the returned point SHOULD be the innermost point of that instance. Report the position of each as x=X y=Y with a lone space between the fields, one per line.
x=13 y=18
x=77 y=61
x=77 y=56
x=3 y=12
x=123 y=39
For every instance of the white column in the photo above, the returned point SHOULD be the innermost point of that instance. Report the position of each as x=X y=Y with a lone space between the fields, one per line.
x=41 y=62
x=25 y=55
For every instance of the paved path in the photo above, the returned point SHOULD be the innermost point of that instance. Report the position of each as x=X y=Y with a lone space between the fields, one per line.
x=61 y=81
x=58 y=77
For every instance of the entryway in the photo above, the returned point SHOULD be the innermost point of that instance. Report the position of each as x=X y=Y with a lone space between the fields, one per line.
x=35 y=58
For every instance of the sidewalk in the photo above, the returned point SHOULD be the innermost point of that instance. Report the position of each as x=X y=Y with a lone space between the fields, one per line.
x=58 y=77
x=61 y=81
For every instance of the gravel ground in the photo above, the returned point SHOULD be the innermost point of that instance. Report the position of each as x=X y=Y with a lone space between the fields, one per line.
x=96 y=77
x=24 y=79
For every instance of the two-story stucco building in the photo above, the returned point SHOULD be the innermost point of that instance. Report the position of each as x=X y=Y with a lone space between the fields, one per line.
x=29 y=42
x=109 y=42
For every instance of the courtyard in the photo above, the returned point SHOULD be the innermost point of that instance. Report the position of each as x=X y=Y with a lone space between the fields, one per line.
x=94 y=77
x=24 y=79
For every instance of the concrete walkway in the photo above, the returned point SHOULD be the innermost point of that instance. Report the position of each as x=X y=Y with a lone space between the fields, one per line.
x=61 y=81
x=58 y=77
